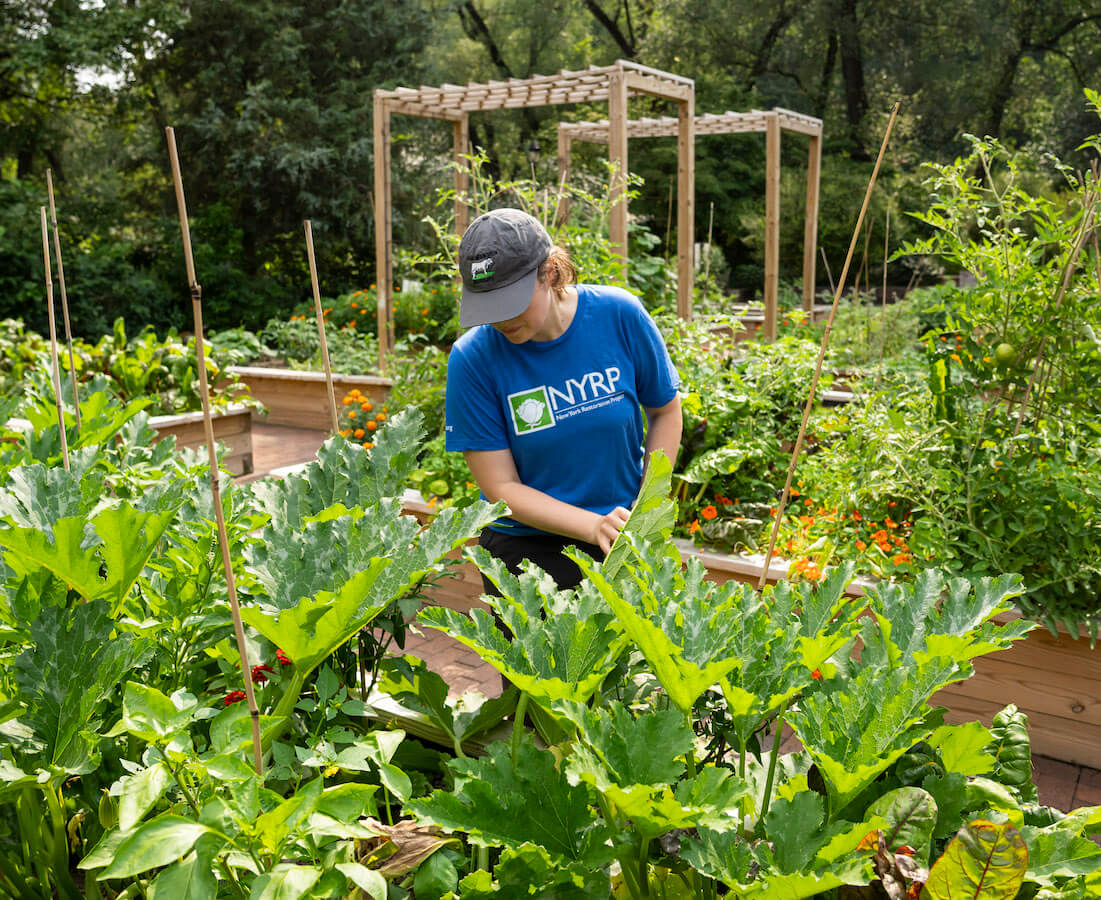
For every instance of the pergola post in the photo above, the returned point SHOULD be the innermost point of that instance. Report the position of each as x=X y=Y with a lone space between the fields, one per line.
x=686 y=204
x=617 y=156
x=461 y=147
x=383 y=230
x=565 y=147
x=772 y=223
x=810 y=225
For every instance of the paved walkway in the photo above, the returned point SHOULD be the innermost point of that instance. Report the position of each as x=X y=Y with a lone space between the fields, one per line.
x=1060 y=784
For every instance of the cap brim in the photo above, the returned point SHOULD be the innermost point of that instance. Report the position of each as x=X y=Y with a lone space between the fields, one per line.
x=500 y=305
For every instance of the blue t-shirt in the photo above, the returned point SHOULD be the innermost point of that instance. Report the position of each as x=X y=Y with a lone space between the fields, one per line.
x=570 y=410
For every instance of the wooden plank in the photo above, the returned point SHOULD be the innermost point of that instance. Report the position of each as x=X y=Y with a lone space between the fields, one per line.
x=686 y=204
x=656 y=87
x=302 y=400
x=810 y=221
x=384 y=271
x=772 y=225
x=1057 y=693
x=617 y=156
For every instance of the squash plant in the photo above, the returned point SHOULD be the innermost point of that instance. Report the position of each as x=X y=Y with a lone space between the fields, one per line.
x=623 y=801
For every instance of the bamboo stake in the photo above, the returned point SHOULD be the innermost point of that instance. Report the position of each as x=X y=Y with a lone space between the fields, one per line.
x=53 y=341
x=707 y=259
x=822 y=354
x=321 y=328
x=204 y=392
x=64 y=296
x=826 y=263
x=883 y=299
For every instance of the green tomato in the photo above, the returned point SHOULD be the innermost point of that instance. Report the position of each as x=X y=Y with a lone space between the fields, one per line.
x=439 y=487
x=1005 y=355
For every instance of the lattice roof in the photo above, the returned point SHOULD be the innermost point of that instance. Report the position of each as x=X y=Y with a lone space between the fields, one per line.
x=708 y=123
x=451 y=101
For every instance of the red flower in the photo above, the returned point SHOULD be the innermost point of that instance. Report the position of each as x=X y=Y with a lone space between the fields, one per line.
x=856 y=516
x=282 y=658
x=725 y=501
x=234 y=697
x=258 y=676
x=709 y=512
x=816 y=675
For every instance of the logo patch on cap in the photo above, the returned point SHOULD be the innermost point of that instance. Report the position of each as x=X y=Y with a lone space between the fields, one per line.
x=481 y=269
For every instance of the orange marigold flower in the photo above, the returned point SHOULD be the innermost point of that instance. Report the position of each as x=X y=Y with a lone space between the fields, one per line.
x=352 y=324
x=892 y=505
x=890 y=523
x=806 y=520
x=880 y=536
x=798 y=566
x=808 y=502
x=371 y=426
x=371 y=287
x=816 y=674
x=351 y=414
x=812 y=572
x=709 y=512
x=856 y=515
x=368 y=444
x=860 y=545
x=366 y=406
x=956 y=357
x=381 y=417
x=347 y=401
x=359 y=432
x=794 y=493
x=355 y=305
x=424 y=312
x=900 y=559
x=694 y=526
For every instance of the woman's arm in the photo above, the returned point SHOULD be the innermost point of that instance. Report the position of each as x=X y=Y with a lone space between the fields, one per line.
x=663 y=428
x=495 y=472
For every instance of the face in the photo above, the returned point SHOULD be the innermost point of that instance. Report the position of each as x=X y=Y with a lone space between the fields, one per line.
x=534 y=323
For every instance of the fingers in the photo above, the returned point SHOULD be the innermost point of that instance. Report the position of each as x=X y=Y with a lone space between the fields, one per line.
x=610 y=526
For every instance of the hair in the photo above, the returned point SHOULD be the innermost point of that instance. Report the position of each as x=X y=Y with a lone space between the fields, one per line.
x=564 y=269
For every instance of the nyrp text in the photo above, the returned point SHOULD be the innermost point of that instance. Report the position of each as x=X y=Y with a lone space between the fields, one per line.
x=588 y=387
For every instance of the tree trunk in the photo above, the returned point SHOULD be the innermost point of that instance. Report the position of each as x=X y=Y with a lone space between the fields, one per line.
x=823 y=95
x=852 y=73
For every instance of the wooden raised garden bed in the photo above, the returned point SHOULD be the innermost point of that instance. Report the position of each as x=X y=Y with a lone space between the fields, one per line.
x=232 y=428
x=1056 y=681
x=300 y=398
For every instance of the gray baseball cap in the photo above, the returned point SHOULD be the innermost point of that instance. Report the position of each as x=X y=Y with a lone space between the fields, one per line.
x=499 y=259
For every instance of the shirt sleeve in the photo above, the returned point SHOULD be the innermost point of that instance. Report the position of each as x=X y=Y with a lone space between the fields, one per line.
x=473 y=419
x=657 y=379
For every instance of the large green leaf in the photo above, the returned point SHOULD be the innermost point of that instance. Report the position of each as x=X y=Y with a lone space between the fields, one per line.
x=1057 y=852
x=681 y=623
x=855 y=728
x=911 y=814
x=103 y=564
x=410 y=681
x=285 y=882
x=653 y=515
x=346 y=474
x=781 y=641
x=317 y=625
x=191 y=877
x=1012 y=750
x=152 y=716
x=74 y=662
x=563 y=643
x=139 y=792
x=498 y=803
x=158 y=842
x=984 y=861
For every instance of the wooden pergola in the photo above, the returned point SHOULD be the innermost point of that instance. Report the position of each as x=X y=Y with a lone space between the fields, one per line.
x=454 y=103
x=772 y=123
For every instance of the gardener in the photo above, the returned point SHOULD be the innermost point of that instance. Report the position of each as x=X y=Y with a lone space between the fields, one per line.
x=545 y=394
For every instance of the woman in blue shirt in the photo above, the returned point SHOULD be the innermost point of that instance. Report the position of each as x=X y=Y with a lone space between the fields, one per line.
x=546 y=395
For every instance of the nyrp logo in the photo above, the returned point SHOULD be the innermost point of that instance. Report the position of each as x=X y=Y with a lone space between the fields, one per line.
x=481 y=268
x=530 y=410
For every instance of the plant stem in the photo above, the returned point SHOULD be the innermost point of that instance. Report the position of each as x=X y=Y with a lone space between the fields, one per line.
x=772 y=760
x=518 y=726
x=644 y=869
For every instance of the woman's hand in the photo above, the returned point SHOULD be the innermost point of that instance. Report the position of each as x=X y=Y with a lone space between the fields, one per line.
x=608 y=527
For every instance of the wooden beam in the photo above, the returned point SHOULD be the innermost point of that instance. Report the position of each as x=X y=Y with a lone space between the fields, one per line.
x=686 y=204
x=565 y=148
x=638 y=83
x=772 y=224
x=617 y=155
x=384 y=249
x=810 y=224
x=460 y=148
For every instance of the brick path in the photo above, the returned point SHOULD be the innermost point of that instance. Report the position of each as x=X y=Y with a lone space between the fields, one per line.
x=1060 y=784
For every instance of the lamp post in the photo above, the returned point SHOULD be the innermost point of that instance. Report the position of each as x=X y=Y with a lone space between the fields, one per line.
x=533 y=151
